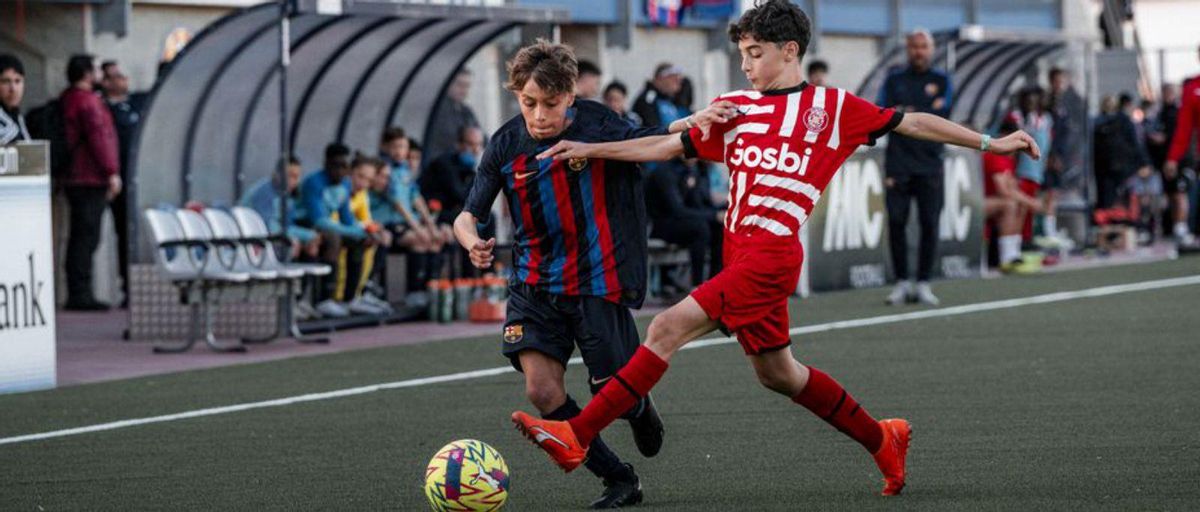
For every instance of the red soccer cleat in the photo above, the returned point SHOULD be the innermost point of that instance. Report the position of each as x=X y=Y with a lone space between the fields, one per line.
x=554 y=437
x=892 y=454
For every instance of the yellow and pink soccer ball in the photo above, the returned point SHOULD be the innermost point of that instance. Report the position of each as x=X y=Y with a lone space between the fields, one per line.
x=467 y=476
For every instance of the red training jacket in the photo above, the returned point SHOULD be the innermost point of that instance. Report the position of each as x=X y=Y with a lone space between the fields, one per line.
x=92 y=137
x=1189 y=120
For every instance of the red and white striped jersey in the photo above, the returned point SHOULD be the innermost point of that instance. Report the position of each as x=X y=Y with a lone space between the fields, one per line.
x=783 y=149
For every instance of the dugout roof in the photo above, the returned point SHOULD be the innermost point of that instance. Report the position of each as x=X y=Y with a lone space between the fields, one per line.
x=211 y=126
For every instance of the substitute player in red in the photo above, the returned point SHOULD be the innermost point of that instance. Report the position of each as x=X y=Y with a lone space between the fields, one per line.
x=782 y=149
x=1187 y=126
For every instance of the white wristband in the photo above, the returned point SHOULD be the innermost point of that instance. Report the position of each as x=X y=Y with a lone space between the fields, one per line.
x=985 y=142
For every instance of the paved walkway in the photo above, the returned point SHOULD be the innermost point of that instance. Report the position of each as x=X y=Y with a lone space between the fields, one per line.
x=91 y=348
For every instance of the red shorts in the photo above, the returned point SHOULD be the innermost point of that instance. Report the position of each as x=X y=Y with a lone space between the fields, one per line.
x=749 y=297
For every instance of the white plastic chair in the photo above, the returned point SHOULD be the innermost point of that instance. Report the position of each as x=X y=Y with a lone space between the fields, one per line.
x=188 y=263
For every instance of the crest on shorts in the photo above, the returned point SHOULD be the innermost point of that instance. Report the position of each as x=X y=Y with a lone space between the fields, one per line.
x=816 y=119
x=577 y=164
x=514 y=333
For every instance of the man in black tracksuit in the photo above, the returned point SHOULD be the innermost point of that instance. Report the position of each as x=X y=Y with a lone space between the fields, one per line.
x=914 y=167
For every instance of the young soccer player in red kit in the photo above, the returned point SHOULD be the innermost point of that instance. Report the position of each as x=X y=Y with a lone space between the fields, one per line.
x=782 y=148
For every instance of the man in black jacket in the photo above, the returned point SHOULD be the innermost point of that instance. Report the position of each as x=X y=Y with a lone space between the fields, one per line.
x=914 y=167
x=447 y=180
x=126 y=110
x=1117 y=151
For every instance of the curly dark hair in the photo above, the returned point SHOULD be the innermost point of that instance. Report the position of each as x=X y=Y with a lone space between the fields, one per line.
x=363 y=159
x=552 y=66
x=773 y=21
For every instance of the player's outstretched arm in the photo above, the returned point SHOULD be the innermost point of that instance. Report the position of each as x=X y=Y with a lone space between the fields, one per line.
x=929 y=127
x=646 y=149
x=480 y=250
x=715 y=113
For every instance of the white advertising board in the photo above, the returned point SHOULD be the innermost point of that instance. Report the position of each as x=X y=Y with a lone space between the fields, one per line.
x=27 y=334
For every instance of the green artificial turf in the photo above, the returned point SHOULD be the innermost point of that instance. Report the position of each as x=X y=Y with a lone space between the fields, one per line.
x=1085 y=404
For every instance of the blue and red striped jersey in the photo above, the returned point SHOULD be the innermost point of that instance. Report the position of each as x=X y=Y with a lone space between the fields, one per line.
x=580 y=226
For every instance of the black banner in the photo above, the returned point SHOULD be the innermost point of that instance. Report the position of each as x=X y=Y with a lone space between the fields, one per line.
x=847 y=233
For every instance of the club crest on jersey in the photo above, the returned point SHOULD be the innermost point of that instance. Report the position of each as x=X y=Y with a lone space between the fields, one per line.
x=816 y=119
x=514 y=333
x=577 y=164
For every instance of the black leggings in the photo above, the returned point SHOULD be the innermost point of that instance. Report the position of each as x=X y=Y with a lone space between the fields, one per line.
x=331 y=246
x=928 y=192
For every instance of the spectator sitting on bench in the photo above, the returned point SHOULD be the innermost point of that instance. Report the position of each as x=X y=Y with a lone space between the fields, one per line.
x=396 y=203
x=1004 y=204
x=362 y=174
x=263 y=197
x=304 y=243
x=325 y=207
x=701 y=196
x=674 y=221
x=1147 y=199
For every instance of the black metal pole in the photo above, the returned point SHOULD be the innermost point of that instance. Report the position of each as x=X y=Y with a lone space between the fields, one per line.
x=284 y=150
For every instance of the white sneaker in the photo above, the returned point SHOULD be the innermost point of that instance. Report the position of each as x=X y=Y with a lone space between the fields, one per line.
x=384 y=305
x=330 y=308
x=900 y=293
x=359 y=306
x=1182 y=235
x=925 y=294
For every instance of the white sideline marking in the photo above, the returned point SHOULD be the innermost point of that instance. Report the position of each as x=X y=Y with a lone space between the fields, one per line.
x=500 y=370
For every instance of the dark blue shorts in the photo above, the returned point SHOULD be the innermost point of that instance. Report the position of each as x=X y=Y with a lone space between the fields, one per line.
x=555 y=324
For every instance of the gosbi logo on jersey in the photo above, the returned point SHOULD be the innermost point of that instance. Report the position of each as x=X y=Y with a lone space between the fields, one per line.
x=781 y=159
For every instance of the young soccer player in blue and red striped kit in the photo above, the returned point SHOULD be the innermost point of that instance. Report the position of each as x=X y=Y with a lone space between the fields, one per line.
x=579 y=250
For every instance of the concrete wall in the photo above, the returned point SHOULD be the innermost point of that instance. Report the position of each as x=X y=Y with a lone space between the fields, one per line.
x=142 y=47
x=685 y=48
x=45 y=35
x=1169 y=47
x=850 y=58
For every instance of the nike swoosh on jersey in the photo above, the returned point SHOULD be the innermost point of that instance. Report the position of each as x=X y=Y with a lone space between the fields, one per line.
x=522 y=176
x=542 y=435
x=597 y=382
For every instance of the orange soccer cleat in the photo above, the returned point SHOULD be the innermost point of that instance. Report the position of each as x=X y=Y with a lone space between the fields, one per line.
x=892 y=454
x=554 y=437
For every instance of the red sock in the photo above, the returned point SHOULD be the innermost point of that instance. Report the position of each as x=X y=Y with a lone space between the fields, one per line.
x=620 y=394
x=826 y=398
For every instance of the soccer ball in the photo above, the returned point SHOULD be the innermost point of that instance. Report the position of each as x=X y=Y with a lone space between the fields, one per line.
x=466 y=476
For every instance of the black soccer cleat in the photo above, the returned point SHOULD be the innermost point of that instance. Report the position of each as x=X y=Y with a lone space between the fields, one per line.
x=648 y=429
x=620 y=493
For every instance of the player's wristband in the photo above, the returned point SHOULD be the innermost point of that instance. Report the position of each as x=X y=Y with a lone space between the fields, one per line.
x=985 y=142
x=687 y=121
